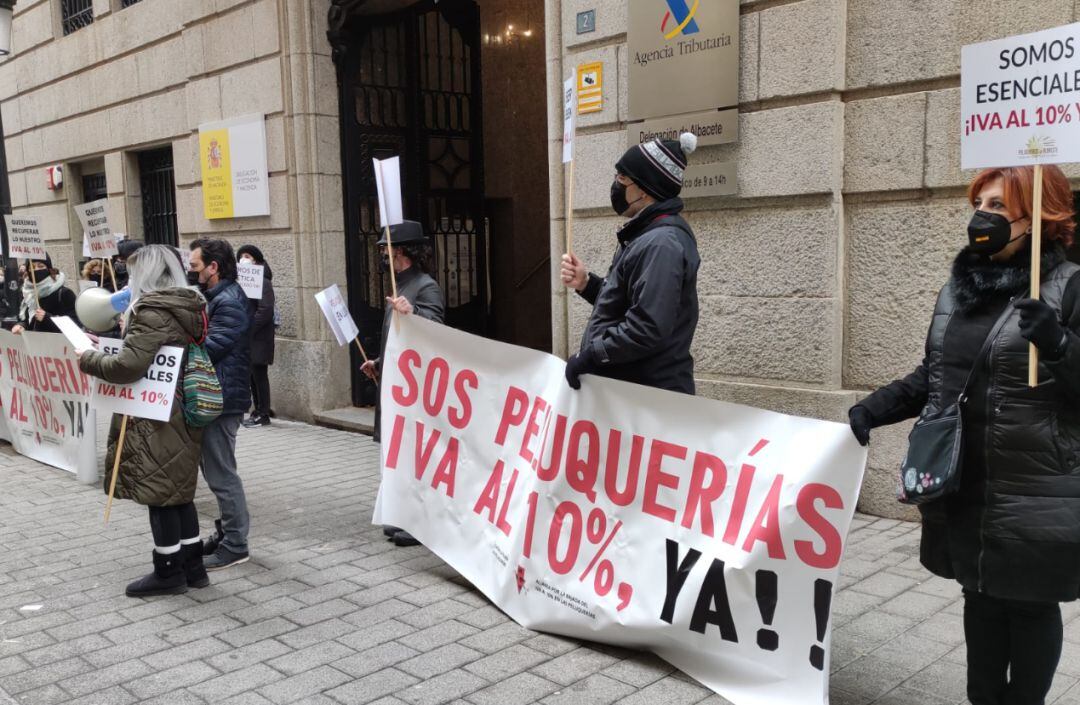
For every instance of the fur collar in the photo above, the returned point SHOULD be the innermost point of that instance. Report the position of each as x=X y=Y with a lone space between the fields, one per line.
x=977 y=279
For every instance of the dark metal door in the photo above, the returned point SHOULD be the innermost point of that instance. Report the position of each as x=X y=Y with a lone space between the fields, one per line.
x=410 y=87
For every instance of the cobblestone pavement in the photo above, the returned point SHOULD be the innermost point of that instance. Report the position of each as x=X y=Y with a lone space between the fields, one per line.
x=328 y=613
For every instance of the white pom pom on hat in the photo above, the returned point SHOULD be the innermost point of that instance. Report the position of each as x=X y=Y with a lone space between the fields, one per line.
x=688 y=142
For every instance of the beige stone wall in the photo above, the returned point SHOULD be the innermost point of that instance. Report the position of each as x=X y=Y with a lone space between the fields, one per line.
x=146 y=76
x=818 y=280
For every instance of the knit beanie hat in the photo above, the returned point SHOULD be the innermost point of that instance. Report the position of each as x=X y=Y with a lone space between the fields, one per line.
x=657 y=166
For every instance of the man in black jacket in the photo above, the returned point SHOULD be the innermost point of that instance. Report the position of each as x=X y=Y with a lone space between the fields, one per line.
x=213 y=267
x=645 y=310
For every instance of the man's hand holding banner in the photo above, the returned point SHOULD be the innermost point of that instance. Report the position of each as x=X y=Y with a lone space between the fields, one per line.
x=706 y=532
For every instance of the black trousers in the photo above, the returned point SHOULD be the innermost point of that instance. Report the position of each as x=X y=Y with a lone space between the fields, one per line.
x=260 y=389
x=1013 y=648
x=170 y=525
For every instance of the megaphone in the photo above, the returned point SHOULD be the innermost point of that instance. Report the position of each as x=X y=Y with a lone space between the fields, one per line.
x=99 y=309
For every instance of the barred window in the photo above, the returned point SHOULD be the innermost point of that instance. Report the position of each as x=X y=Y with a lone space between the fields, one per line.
x=94 y=187
x=158 y=197
x=128 y=3
x=76 y=14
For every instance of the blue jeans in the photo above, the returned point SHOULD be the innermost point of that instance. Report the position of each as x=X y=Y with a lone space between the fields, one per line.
x=219 y=469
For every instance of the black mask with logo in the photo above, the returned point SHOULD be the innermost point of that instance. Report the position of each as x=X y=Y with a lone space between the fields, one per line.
x=990 y=233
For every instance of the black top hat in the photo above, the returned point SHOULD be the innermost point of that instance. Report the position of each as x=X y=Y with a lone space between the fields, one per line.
x=407 y=232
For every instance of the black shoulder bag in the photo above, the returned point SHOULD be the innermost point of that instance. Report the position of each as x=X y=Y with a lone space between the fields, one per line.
x=931 y=469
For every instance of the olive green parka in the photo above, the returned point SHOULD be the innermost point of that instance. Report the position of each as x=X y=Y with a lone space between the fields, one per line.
x=159 y=465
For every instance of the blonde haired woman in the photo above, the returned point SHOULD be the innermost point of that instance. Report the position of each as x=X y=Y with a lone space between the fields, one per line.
x=159 y=465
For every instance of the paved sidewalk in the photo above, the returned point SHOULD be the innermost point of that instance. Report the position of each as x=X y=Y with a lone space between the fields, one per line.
x=329 y=613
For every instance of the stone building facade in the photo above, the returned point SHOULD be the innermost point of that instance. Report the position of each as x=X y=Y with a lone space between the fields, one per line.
x=817 y=278
x=143 y=76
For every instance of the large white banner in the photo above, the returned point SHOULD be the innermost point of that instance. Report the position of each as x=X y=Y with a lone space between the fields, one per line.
x=1020 y=100
x=45 y=398
x=709 y=533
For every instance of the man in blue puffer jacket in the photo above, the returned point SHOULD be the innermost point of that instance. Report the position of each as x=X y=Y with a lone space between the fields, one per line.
x=213 y=267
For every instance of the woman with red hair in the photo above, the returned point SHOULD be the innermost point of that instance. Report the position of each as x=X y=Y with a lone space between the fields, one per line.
x=1010 y=531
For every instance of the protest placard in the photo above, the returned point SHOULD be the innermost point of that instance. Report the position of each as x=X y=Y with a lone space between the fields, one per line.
x=336 y=311
x=1020 y=106
x=250 y=279
x=569 y=126
x=388 y=183
x=709 y=533
x=152 y=396
x=99 y=237
x=119 y=237
x=24 y=237
x=569 y=121
x=1020 y=100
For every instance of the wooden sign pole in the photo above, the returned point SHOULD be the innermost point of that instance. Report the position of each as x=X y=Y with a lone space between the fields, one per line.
x=1036 y=266
x=570 y=209
x=33 y=280
x=364 y=355
x=116 y=467
x=112 y=272
x=390 y=254
x=361 y=347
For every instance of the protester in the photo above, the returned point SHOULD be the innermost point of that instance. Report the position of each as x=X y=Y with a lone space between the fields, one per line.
x=417 y=293
x=52 y=298
x=92 y=272
x=125 y=248
x=1010 y=533
x=159 y=462
x=213 y=268
x=646 y=310
x=261 y=312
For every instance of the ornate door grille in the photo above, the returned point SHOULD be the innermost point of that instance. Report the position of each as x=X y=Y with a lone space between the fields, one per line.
x=410 y=87
x=158 y=197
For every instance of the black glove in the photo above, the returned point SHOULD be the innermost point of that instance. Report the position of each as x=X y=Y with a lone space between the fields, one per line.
x=861 y=423
x=1039 y=324
x=578 y=364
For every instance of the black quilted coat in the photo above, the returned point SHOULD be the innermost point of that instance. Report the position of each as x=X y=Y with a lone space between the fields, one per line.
x=645 y=311
x=1012 y=530
x=229 y=343
x=159 y=465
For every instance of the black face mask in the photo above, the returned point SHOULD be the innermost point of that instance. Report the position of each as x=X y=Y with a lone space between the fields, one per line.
x=384 y=263
x=120 y=268
x=618 y=198
x=193 y=279
x=989 y=233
